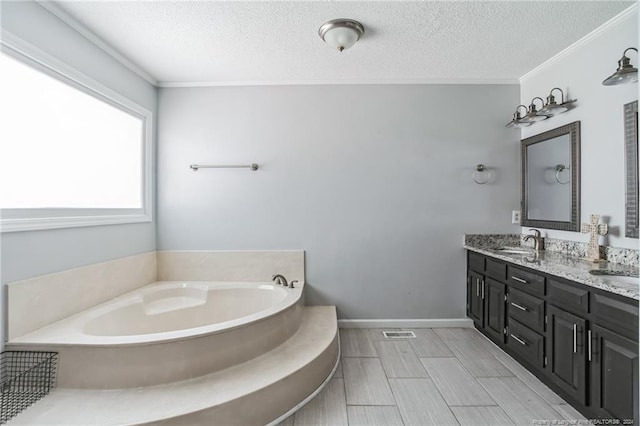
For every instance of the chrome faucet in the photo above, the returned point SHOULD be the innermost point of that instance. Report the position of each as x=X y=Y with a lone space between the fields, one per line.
x=280 y=280
x=538 y=241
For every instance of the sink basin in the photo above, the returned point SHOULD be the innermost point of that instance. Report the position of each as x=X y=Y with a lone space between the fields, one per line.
x=616 y=276
x=513 y=250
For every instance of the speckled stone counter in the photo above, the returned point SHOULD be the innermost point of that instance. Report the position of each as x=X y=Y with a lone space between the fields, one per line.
x=556 y=263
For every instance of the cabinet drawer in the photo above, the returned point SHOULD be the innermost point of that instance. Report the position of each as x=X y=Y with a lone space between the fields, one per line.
x=616 y=314
x=495 y=269
x=476 y=261
x=526 y=342
x=525 y=280
x=568 y=296
x=527 y=309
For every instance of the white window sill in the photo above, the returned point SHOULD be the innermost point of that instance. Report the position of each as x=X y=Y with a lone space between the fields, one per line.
x=41 y=223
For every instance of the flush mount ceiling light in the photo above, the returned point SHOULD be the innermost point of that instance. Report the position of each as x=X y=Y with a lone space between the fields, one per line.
x=341 y=33
x=625 y=74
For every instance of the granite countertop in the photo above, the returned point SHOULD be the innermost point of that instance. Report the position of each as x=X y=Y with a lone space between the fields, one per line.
x=562 y=265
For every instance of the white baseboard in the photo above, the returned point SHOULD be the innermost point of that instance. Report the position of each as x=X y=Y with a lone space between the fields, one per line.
x=405 y=323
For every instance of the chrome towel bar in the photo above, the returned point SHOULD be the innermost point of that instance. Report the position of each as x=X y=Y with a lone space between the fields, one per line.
x=252 y=166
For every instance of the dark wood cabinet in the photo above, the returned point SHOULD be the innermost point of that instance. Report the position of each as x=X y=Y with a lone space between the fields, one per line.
x=614 y=375
x=494 y=303
x=566 y=357
x=579 y=340
x=476 y=298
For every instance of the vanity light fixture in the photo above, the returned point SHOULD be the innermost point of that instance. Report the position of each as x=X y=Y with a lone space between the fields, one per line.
x=533 y=116
x=552 y=108
x=517 y=119
x=547 y=110
x=341 y=33
x=625 y=74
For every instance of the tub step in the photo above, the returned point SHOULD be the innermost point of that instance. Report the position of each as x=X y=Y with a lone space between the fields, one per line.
x=253 y=393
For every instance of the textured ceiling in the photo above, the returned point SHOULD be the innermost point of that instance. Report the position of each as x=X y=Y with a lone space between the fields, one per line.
x=277 y=42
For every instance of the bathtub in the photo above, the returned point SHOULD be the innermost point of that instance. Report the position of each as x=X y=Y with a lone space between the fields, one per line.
x=168 y=331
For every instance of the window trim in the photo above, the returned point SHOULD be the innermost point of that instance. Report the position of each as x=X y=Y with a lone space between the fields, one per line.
x=14 y=220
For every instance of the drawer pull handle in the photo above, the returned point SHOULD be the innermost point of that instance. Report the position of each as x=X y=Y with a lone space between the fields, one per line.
x=519 y=340
x=520 y=280
x=482 y=289
x=477 y=287
x=589 y=342
x=575 y=338
x=522 y=308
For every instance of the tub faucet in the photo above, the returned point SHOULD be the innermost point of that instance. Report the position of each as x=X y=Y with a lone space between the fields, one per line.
x=280 y=279
x=538 y=241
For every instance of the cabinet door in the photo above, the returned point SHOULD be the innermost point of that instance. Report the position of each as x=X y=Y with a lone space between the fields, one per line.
x=476 y=307
x=614 y=375
x=566 y=352
x=494 y=302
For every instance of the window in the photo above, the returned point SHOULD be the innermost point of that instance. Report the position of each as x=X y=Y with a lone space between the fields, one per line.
x=72 y=152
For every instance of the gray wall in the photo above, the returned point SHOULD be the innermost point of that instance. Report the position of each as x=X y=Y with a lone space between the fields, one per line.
x=28 y=254
x=373 y=182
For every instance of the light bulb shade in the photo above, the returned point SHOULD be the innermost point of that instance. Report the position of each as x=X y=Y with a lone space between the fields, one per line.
x=532 y=116
x=341 y=34
x=553 y=109
x=625 y=74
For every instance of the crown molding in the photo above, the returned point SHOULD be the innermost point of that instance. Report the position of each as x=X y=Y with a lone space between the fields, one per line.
x=55 y=10
x=460 y=81
x=607 y=26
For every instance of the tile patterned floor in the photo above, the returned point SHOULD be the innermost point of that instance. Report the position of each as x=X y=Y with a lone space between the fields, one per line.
x=446 y=376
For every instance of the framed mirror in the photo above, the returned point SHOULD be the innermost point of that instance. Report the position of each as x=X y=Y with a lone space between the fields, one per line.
x=631 y=167
x=551 y=179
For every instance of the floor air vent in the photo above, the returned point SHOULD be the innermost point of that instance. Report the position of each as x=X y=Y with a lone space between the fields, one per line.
x=399 y=334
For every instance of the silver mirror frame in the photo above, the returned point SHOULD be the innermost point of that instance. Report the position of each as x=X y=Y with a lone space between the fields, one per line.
x=631 y=167
x=573 y=130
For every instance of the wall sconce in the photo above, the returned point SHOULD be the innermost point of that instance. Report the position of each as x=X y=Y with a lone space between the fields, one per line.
x=341 y=34
x=533 y=115
x=547 y=110
x=625 y=74
x=517 y=119
x=551 y=108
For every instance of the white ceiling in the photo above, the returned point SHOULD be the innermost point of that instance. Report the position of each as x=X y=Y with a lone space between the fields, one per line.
x=270 y=42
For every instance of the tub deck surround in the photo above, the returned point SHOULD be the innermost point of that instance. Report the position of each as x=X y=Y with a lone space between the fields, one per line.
x=168 y=331
x=560 y=264
x=230 y=265
x=39 y=301
x=255 y=392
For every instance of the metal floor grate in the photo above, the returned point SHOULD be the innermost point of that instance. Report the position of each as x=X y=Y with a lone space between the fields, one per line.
x=399 y=334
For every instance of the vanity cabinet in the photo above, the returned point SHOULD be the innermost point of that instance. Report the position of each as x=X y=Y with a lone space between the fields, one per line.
x=614 y=374
x=565 y=352
x=579 y=340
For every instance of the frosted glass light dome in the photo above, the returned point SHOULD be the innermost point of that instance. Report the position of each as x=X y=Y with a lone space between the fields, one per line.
x=341 y=34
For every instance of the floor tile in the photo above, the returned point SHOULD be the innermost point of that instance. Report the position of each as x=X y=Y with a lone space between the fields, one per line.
x=455 y=383
x=399 y=360
x=287 y=422
x=519 y=401
x=481 y=416
x=360 y=415
x=376 y=333
x=455 y=333
x=530 y=380
x=568 y=412
x=477 y=360
x=338 y=372
x=365 y=382
x=427 y=344
x=487 y=344
x=420 y=403
x=327 y=408
x=356 y=342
